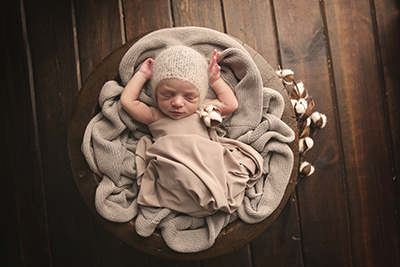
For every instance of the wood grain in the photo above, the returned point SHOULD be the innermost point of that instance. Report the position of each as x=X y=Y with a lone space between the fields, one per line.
x=98 y=34
x=23 y=224
x=98 y=30
x=202 y=13
x=49 y=28
x=388 y=24
x=363 y=125
x=143 y=16
x=323 y=211
x=239 y=258
x=253 y=24
x=280 y=244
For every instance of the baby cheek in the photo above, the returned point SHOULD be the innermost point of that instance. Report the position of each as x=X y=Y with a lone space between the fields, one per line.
x=162 y=103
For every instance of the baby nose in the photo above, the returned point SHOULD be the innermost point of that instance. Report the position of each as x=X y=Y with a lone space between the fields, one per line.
x=178 y=102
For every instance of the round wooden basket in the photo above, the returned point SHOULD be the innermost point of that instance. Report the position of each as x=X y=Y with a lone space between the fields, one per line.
x=232 y=237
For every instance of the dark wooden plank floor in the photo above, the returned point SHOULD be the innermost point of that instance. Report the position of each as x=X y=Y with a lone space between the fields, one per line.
x=346 y=53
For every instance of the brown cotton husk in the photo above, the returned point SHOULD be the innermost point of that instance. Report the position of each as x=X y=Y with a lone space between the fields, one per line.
x=289 y=78
x=304 y=127
x=310 y=107
x=294 y=94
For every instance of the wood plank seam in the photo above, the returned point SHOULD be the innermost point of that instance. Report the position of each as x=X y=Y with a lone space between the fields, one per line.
x=76 y=48
x=35 y=121
x=338 y=127
x=388 y=126
x=122 y=21
x=276 y=34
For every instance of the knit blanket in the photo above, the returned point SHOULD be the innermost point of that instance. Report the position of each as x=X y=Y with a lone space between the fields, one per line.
x=111 y=138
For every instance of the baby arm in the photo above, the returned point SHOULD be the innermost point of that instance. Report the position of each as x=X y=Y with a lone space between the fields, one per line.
x=225 y=94
x=129 y=97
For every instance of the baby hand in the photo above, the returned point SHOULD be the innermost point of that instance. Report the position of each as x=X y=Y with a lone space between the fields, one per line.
x=147 y=68
x=214 y=70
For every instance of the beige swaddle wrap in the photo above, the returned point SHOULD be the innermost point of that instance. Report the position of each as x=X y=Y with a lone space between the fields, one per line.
x=187 y=167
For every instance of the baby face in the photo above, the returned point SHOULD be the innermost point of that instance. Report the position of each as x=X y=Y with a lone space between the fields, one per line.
x=177 y=98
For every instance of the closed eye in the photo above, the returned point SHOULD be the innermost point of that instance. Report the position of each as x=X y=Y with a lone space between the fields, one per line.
x=191 y=98
x=167 y=95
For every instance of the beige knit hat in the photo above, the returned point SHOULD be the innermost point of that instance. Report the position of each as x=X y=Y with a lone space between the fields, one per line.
x=184 y=63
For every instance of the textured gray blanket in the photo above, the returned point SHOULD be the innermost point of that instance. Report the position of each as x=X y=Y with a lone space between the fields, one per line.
x=111 y=137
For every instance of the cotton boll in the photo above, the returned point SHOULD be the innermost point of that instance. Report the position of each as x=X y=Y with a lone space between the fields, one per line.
x=210 y=108
x=215 y=116
x=299 y=106
x=306 y=169
x=318 y=120
x=211 y=115
x=305 y=144
x=286 y=76
x=302 y=91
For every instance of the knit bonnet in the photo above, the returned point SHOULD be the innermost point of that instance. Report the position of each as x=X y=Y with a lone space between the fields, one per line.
x=184 y=63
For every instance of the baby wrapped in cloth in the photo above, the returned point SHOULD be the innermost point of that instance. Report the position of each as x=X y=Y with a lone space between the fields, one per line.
x=111 y=139
x=189 y=168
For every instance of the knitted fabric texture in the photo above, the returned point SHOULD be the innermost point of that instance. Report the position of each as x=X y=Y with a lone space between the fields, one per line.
x=184 y=63
x=111 y=138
